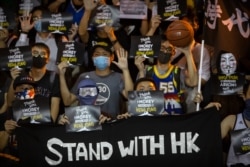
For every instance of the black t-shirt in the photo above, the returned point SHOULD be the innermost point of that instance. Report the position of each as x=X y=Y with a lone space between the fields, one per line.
x=48 y=86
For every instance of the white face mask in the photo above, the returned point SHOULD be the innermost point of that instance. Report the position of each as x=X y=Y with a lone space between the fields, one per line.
x=228 y=63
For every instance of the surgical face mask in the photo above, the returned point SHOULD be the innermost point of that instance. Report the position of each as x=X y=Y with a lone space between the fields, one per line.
x=38 y=25
x=39 y=62
x=164 y=58
x=25 y=94
x=87 y=95
x=101 y=62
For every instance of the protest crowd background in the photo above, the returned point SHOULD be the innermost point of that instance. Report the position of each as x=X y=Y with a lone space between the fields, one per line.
x=106 y=82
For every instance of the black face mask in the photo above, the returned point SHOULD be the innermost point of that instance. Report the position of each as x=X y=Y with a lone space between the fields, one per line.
x=164 y=58
x=39 y=62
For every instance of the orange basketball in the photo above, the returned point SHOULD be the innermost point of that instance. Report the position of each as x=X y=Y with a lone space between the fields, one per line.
x=180 y=33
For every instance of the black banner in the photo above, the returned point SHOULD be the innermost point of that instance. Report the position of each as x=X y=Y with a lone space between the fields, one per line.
x=227 y=26
x=183 y=140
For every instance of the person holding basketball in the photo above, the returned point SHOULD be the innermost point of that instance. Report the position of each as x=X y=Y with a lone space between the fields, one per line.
x=169 y=78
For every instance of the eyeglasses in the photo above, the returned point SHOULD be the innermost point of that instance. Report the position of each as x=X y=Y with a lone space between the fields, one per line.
x=36 y=53
x=91 y=91
x=35 y=18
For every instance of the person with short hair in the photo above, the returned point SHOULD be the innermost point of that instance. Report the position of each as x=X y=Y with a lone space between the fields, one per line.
x=145 y=84
x=112 y=85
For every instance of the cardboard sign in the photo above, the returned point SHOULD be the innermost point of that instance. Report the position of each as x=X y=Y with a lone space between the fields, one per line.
x=36 y=110
x=105 y=15
x=227 y=84
x=142 y=103
x=19 y=57
x=72 y=52
x=3 y=19
x=171 y=10
x=56 y=23
x=83 y=118
x=145 y=45
x=130 y=9
x=241 y=141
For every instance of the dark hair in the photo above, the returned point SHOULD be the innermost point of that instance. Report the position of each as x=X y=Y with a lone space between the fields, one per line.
x=42 y=46
x=144 y=79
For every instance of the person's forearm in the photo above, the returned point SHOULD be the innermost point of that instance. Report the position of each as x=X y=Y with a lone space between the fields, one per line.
x=83 y=26
x=192 y=70
x=54 y=108
x=65 y=93
x=129 y=85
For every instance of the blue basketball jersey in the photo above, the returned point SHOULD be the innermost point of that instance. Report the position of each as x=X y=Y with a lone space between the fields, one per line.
x=169 y=83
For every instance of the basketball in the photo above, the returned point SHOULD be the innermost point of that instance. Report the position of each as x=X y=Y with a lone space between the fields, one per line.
x=180 y=33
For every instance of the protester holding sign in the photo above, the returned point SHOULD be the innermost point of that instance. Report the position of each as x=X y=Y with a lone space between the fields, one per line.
x=168 y=77
x=87 y=93
x=233 y=123
x=24 y=88
x=47 y=81
x=32 y=31
x=112 y=85
x=103 y=32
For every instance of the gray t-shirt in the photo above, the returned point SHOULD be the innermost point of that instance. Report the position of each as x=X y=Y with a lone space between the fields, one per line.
x=110 y=88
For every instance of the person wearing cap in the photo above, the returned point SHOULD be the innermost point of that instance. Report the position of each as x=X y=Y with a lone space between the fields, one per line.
x=24 y=88
x=91 y=36
x=112 y=85
x=87 y=95
x=47 y=82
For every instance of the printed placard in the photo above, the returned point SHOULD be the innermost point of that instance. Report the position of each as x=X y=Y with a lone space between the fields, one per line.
x=57 y=23
x=130 y=9
x=83 y=118
x=105 y=15
x=227 y=84
x=19 y=57
x=145 y=103
x=241 y=141
x=25 y=7
x=3 y=19
x=171 y=10
x=148 y=46
x=35 y=110
x=72 y=52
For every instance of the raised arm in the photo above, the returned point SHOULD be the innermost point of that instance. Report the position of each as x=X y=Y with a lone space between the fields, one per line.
x=89 y=5
x=122 y=63
x=191 y=75
x=67 y=97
